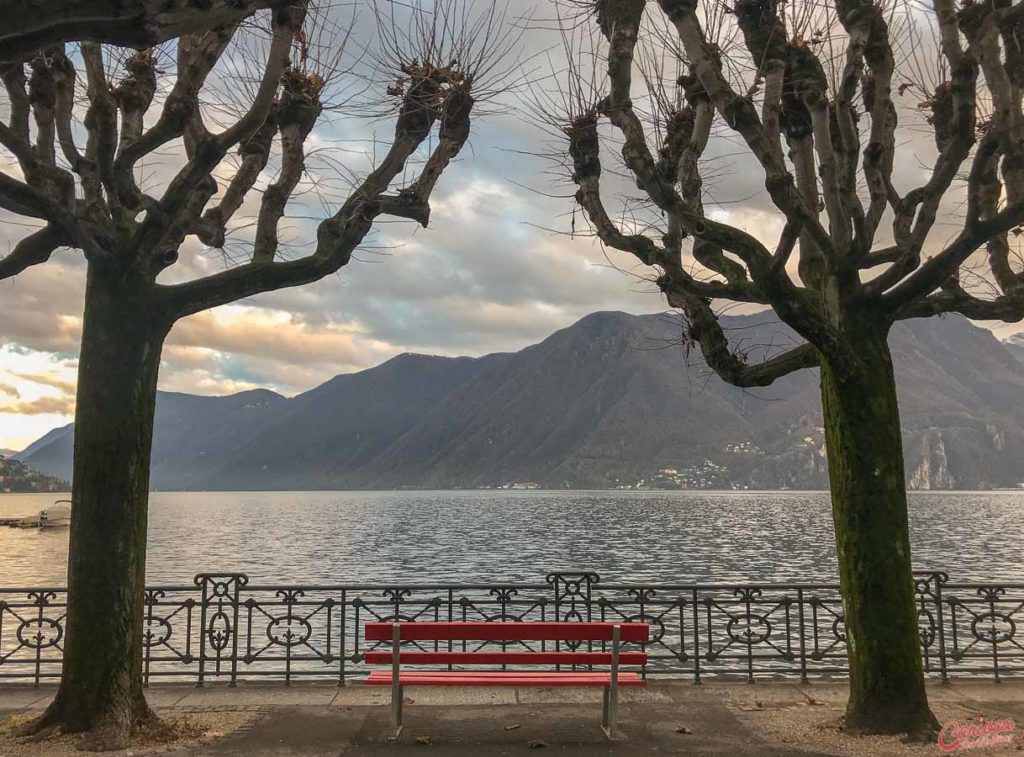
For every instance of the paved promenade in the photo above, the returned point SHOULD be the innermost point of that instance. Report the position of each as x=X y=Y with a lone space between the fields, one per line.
x=773 y=719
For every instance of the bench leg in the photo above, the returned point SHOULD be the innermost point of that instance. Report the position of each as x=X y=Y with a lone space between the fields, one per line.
x=611 y=692
x=396 y=686
x=611 y=712
x=396 y=711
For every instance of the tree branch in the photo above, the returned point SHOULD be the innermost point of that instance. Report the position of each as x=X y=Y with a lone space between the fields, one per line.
x=707 y=331
x=740 y=114
x=935 y=272
x=14 y=84
x=174 y=214
x=954 y=299
x=36 y=248
x=31 y=25
x=431 y=94
x=295 y=117
x=197 y=55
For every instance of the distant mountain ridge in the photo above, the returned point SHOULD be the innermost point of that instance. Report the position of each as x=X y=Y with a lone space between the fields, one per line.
x=610 y=401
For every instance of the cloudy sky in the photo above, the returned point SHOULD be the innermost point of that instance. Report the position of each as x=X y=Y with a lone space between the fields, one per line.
x=487 y=275
x=495 y=271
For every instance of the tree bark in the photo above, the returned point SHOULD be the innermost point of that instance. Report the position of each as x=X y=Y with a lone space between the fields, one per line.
x=869 y=508
x=31 y=25
x=101 y=683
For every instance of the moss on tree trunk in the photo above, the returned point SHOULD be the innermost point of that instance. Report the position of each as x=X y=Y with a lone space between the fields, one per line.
x=101 y=681
x=869 y=508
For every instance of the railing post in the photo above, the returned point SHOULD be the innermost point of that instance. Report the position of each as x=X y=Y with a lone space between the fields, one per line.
x=342 y=634
x=152 y=597
x=216 y=591
x=238 y=583
x=803 y=641
x=696 y=638
x=941 y=578
x=42 y=600
x=991 y=594
x=747 y=595
x=201 y=581
x=574 y=590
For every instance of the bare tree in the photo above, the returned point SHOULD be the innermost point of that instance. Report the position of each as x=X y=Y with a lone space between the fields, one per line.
x=30 y=25
x=807 y=96
x=274 y=80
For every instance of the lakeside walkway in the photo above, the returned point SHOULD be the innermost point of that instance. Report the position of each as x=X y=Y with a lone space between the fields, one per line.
x=775 y=719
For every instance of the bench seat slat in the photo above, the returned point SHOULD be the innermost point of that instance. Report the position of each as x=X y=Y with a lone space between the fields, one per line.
x=505 y=658
x=470 y=678
x=487 y=631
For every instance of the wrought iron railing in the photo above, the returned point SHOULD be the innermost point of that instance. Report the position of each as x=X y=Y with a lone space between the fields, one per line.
x=224 y=628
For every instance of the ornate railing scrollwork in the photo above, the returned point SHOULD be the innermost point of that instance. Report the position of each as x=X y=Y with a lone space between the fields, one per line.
x=225 y=627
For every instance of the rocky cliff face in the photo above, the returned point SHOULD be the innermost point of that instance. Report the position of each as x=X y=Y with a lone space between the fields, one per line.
x=610 y=401
x=932 y=470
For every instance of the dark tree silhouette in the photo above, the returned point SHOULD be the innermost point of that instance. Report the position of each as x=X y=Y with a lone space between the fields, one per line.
x=807 y=94
x=31 y=25
x=85 y=186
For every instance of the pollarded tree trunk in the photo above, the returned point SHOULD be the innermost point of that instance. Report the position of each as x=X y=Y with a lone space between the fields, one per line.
x=101 y=683
x=869 y=508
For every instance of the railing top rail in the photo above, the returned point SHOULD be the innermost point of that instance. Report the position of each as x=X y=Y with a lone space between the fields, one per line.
x=981 y=584
x=718 y=586
x=616 y=585
x=63 y=589
x=317 y=587
x=398 y=584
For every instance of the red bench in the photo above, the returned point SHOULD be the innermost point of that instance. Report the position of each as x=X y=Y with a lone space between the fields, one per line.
x=432 y=633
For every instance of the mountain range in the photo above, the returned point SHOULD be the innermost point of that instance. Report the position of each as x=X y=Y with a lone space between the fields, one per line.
x=614 y=400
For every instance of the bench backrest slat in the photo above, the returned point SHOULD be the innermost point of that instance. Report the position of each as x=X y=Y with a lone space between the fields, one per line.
x=506 y=658
x=482 y=631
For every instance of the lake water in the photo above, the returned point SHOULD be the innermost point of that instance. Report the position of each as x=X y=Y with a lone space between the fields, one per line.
x=473 y=536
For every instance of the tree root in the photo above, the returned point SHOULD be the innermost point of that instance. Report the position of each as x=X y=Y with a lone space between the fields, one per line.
x=918 y=727
x=38 y=729
x=32 y=733
x=102 y=732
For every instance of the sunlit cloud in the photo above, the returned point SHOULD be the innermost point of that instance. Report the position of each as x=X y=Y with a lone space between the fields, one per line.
x=63 y=406
x=37 y=393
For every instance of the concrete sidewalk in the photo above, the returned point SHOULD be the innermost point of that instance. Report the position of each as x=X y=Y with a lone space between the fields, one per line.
x=661 y=718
